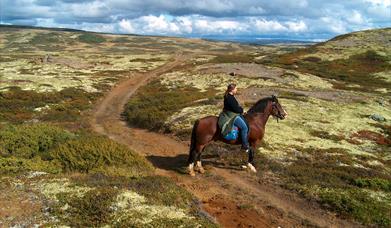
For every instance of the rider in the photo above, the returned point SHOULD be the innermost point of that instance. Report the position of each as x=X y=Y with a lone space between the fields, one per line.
x=231 y=104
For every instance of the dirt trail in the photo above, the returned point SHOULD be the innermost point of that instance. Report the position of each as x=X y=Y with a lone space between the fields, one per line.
x=234 y=198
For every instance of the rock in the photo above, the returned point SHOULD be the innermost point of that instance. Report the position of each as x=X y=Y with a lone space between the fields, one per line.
x=33 y=174
x=232 y=74
x=381 y=102
x=377 y=117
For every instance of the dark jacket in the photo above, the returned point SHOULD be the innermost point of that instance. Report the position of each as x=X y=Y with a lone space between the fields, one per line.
x=231 y=104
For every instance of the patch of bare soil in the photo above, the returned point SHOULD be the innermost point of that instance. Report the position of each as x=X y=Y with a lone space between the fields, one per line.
x=72 y=63
x=250 y=70
x=254 y=94
x=18 y=206
x=234 y=198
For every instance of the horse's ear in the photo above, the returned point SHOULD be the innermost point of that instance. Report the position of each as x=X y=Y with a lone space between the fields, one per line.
x=274 y=98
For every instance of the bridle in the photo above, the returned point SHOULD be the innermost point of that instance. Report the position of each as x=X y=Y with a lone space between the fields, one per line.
x=279 y=114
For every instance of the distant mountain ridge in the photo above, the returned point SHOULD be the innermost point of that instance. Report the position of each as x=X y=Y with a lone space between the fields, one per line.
x=358 y=61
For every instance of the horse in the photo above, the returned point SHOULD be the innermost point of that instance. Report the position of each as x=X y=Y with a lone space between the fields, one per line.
x=206 y=130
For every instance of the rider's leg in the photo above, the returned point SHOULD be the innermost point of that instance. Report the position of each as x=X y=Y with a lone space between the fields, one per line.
x=243 y=131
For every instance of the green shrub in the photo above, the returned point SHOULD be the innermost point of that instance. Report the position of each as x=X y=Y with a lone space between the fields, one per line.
x=13 y=165
x=357 y=69
x=92 y=210
x=99 y=154
x=169 y=194
x=91 y=38
x=54 y=150
x=45 y=38
x=375 y=183
x=154 y=103
x=357 y=203
x=17 y=106
x=28 y=141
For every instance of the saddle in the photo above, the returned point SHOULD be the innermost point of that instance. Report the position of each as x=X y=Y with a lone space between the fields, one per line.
x=226 y=124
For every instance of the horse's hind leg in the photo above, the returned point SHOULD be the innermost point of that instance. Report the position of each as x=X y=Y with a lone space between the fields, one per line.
x=199 y=164
x=192 y=158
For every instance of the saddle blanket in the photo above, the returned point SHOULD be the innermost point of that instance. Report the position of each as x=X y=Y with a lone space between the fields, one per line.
x=233 y=134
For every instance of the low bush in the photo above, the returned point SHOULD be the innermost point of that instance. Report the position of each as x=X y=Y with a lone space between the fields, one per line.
x=43 y=147
x=92 y=210
x=357 y=203
x=18 y=106
x=99 y=154
x=28 y=141
x=154 y=103
x=91 y=38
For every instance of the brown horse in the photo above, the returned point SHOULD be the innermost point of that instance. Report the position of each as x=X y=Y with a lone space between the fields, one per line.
x=206 y=130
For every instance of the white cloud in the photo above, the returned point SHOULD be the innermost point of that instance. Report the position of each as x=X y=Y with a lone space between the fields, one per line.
x=89 y=9
x=153 y=24
x=356 y=18
x=203 y=17
x=263 y=25
x=296 y=26
x=125 y=26
x=333 y=25
x=206 y=25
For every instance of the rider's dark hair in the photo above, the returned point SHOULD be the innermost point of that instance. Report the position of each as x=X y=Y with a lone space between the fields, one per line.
x=230 y=87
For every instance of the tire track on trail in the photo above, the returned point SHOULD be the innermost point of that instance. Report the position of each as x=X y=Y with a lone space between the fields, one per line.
x=233 y=198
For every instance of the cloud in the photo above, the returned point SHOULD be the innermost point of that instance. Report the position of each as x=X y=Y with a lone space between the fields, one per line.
x=203 y=17
x=356 y=18
x=126 y=27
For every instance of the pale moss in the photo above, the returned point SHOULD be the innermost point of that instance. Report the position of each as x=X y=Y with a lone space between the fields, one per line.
x=306 y=81
x=219 y=81
x=203 y=58
x=185 y=118
x=73 y=70
x=50 y=189
x=319 y=115
x=40 y=77
x=140 y=62
x=375 y=163
x=203 y=82
x=131 y=205
x=380 y=196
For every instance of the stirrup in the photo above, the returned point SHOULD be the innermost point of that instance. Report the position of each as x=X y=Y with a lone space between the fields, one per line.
x=246 y=148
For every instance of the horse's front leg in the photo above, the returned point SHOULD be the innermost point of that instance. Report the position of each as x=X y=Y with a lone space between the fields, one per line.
x=250 y=163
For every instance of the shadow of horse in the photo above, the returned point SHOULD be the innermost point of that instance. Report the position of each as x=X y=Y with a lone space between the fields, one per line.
x=179 y=163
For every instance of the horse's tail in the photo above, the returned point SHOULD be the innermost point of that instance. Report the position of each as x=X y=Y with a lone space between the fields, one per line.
x=192 y=151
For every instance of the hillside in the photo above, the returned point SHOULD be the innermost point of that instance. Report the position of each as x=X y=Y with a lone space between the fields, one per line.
x=68 y=158
x=356 y=61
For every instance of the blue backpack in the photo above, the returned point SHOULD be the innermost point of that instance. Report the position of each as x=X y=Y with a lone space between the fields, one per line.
x=233 y=134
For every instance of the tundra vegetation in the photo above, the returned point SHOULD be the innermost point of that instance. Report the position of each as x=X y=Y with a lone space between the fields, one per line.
x=334 y=148
x=54 y=171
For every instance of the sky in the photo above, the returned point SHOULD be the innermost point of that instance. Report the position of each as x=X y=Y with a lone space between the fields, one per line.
x=300 y=19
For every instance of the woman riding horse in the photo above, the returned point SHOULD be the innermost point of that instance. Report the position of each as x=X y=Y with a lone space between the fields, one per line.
x=206 y=130
x=233 y=109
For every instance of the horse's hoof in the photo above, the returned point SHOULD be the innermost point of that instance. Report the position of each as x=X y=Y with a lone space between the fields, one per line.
x=201 y=170
x=192 y=173
x=251 y=168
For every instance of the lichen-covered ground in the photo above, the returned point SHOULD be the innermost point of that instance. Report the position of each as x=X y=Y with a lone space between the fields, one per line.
x=60 y=173
x=335 y=145
x=333 y=148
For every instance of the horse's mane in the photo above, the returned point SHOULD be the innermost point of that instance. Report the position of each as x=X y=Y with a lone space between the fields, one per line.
x=260 y=105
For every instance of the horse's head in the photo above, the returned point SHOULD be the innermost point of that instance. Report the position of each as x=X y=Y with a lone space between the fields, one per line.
x=277 y=110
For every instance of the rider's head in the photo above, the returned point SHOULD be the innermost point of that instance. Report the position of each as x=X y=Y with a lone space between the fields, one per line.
x=231 y=88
